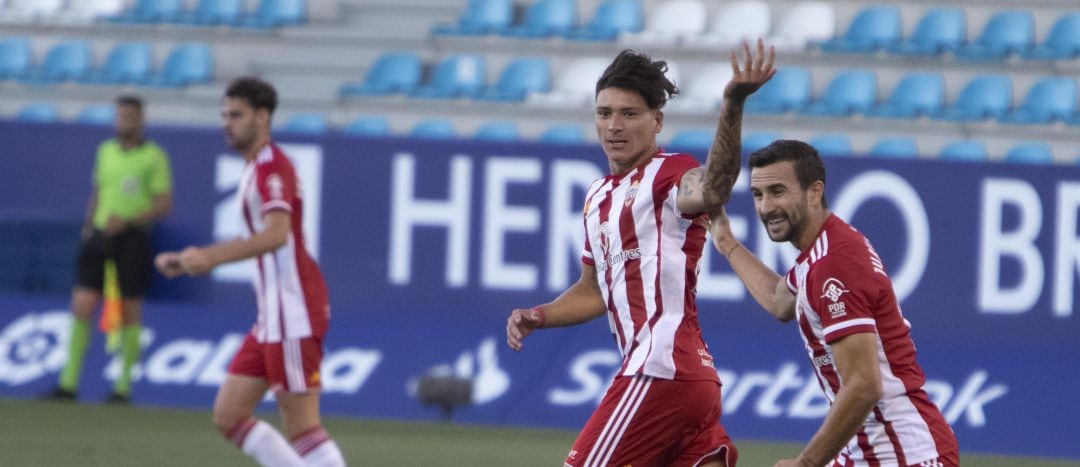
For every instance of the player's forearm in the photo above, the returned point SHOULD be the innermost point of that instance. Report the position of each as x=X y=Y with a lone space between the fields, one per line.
x=579 y=304
x=762 y=282
x=241 y=249
x=848 y=413
x=725 y=154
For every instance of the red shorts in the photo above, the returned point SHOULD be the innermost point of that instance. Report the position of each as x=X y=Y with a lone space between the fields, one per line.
x=645 y=421
x=291 y=365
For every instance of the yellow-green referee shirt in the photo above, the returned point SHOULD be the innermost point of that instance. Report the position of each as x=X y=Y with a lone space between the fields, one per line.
x=127 y=181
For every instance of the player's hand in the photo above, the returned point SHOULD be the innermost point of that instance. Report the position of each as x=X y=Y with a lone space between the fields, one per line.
x=168 y=264
x=720 y=230
x=757 y=68
x=114 y=225
x=520 y=324
x=195 y=261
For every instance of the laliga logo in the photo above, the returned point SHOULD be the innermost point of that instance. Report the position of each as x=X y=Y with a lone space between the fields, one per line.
x=33 y=346
x=307 y=159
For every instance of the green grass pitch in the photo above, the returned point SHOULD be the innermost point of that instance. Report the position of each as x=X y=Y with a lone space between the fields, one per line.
x=67 y=434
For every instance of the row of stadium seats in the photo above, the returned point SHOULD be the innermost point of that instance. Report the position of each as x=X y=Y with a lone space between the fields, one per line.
x=268 y=13
x=944 y=30
x=876 y=28
x=697 y=140
x=456 y=76
x=126 y=63
x=918 y=94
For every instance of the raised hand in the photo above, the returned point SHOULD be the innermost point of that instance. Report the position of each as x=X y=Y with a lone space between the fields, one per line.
x=757 y=68
x=520 y=324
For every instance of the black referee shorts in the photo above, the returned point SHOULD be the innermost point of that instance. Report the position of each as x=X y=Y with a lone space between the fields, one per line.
x=133 y=254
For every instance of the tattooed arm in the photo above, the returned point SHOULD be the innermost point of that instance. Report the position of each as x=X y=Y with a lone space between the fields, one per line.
x=707 y=188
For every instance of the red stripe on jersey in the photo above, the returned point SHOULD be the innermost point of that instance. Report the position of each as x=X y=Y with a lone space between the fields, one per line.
x=893 y=438
x=867 y=448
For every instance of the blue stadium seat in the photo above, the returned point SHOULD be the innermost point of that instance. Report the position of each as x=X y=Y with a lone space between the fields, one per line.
x=756 y=140
x=97 y=114
x=1048 y=100
x=390 y=74
x=851 y=91
x=611 y=18
x=215 y=12
x=434 y=128
x=523 y=76
x=454 y=77
x=873 y=28
x=898 y=147
x=367 y=126
x=69 y=60
x=917 y=94
x=1008 y=32
x=497 y=131
x=307 y=123
x=940 y=30
x=832 y=145
x=151 y=11
x=1063 y=43
x=985 y=96
x=692 y=140
x=128 y=62
x=15 y=58
x=788 y=90
x=964 y=150
x=546 y=18
x=1030 y=153
x=276 y=13
x=563 y=133
x=190 y=63
x=38 y=112
x=479 y=18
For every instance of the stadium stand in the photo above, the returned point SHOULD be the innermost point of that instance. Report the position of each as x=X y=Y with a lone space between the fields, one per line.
x=1027 y=46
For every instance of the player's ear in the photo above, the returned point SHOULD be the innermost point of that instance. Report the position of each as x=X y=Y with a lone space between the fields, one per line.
x=817 y=193
x=659 y=120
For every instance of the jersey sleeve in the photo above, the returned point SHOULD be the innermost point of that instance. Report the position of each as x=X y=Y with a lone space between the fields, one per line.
x=95 y=176
x=586 y=253
x=161 y=175
x=842 y=290
x=277 y=184
x=679 y=165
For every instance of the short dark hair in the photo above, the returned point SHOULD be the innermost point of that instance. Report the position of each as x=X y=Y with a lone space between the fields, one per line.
x=808 y=165
x=258 y=93
x=637 y=72
x=130 y=100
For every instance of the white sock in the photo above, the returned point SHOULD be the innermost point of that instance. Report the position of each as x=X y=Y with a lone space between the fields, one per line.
x=317 y=449
x=261 y=441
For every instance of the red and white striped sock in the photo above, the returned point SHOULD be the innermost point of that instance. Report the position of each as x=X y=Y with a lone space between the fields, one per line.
x=317 y=449
x=261 y=441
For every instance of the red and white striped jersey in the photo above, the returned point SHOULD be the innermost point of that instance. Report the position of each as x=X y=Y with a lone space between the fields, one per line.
x=842 y=289
x=289 y=287
x=646 y=256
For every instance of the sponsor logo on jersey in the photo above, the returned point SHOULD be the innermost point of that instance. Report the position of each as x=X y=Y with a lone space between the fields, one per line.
x=833 y=289
x=276 y=186
x=823 y=360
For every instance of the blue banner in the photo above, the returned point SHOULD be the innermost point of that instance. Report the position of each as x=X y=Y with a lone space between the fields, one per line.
x=428 y=245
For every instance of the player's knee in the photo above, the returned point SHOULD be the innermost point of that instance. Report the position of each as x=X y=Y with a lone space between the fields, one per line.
x=226 y=422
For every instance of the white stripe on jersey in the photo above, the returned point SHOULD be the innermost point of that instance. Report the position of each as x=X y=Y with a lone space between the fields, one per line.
x=847 y=324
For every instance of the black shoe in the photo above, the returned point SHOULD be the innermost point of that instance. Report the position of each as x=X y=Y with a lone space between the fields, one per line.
x=60 y=394
x=117 y=398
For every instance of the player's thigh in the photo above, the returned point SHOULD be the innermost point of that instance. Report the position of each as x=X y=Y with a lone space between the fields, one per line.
x=237 y=398
x=90 y=263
